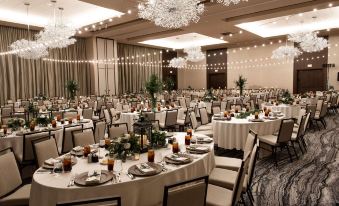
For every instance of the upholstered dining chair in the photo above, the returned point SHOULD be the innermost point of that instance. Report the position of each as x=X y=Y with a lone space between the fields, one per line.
x=44 y=148
x=149 y=116
x=297 y=136
x=227 y=178
x=272 y=142
x=111 y=201
x=320 y=117
x=108 y=117
x=216 y=110
x=204 y=116
x=217 y=195
x=87 y=113
x=67 y=143
x=117 y=130
x=184 y=122
x=12 y=191
x=99 y=130
x=170 y=120
x=203 y=129
x=192 y=192
x=230 y=163
x=83 y=137
x=70 y=114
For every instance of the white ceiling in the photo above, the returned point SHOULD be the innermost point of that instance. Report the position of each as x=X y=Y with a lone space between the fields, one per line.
x=76 y=13
x=300 y=22
x=184 y=41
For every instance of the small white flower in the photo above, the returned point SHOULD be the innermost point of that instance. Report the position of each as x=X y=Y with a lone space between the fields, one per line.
x=127 y=145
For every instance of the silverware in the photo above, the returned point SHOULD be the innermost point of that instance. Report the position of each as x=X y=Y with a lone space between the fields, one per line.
x=130 y=176
x=71 y=182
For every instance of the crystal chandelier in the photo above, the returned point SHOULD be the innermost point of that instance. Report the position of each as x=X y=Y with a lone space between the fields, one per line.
x=286 y=52
x=178 y=62
x=229 y=2
x=28 y=49
x=309 y=41
x=171 y=14
x=56 y=34
x=194 y=54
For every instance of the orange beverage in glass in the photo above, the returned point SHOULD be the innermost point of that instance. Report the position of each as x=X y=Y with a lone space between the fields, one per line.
x=175 y=147
x=32 y=126
x=67 y=163
x=58 y=118
x=4 y=129
x=256 y=115
x=189 y=132
x=187 y=140
x=87 y=150
x=78 y=117
x=150 y=155
x=54 y=124
x=110 y=163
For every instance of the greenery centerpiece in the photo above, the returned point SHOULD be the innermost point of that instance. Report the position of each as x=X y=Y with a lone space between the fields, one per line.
x=124 y=146
x=153 y=86
x=15 y=123
x=287 y=98
x=209 y=96
x=42 y=120
x=240 y=83
x=158 y=139
x=169 y=84
x=72 y=87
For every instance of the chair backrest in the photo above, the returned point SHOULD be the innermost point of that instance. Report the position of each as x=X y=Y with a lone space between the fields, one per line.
x=192 y=192
x=311 y=109
x=216 y=110
x=126 y=108
x=203 y=115
x=149 y=116
x=44 y=148
x=107 y=116
x=194 y=122
x=301 y=128
x=171 y=117
x=302 y=112
x=307 y=121
x=67 y=142
x=10 y=178
x=116 y=130
x=83 y=137
x=323 y=111
x=187 y=115
x=182 y=102
x=319 y=105
x=112 y=201
x=6 y=111
x=87 y=113
x=99 y=130
x=250 y=142
x=70 y=115
x=285 y=131
x=27 y=154
x=228 y=105
x=252 y=163
x=239 y=181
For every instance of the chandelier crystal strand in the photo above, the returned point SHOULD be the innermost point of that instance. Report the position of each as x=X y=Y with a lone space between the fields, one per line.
x=28 y=49
x=229 y=2
x=194 y=54
x=286 y=52
x=56 y=34
x=171 y=14
x=178 y=62
x=309 y=41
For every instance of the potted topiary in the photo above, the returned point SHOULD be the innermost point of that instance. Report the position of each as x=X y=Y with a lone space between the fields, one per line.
x=240 y=83
x=153 y=86
x=72 y=87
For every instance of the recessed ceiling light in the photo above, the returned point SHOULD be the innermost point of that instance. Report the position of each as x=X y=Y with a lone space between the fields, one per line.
x=129 y=11
x=110 y=20
x=93 y=26
x=328 y=29
x=231 y=35
x=271 y=43
x=240 y=32
x=79 y=31
x=330 y=5
x=315 y=9
x=300 y=14
x=86 y=28
x=274 y=22
x=101 y=23
x=279 y=41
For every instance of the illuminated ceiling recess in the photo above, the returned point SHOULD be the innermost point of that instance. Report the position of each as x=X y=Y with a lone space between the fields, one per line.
x=76 y=12
x=184 y=41
x=325 y=19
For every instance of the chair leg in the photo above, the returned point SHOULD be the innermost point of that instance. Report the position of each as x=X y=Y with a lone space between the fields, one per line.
x=323 y=122
x=242 y=198
x=302 y=151
x=295 y=151
x=249 y=192
x=274 y=153
x=289 y=153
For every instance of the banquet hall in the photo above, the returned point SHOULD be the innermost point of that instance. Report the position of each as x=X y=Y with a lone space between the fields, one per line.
x=169 y=102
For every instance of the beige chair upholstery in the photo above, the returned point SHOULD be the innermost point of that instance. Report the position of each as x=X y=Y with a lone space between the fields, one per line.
x=83 y=138
x=171 y=119
x=117 y=131
x=68 y=115
x=204 y=116
x=18 y=198
x=216 y=110
x=107 y=116
x=10 y=177
x=44 y=150
x=195 y=123
x=87 y=113
x=99 y=131
x=67 y=142
x=27 y=154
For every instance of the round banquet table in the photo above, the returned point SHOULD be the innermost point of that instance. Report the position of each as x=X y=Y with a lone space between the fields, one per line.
x=290 y=111
x=48 y=189
x=233 y=134
x=129 y=118
x=15 y=140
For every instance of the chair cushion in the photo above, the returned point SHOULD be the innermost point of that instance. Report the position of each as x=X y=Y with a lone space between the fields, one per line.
x=295 y=129
x=208 y=133
x=95 y=118
x=269 y=139
x=19 y=197
x=218 y=196
x=181 y=122
x=227 y=163
x=225 y=178
x=294 y=136
x=10 y=177
x=203 y=127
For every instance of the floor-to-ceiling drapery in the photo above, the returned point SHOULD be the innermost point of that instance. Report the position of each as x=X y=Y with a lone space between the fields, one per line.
x=21 y=78
x=136 y=65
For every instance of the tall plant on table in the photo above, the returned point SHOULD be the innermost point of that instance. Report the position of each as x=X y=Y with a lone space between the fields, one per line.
x=72 y=87
x=240 y=83
x=153 y=86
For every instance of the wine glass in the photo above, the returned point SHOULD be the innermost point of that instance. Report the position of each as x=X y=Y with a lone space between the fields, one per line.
x=117 y=168
x=158 y=157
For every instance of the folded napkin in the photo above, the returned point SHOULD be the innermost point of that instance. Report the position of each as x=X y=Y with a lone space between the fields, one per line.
x=177 y=158
x=145 y=168
x=198 y=148
x=77 y=149
x=93 y=177
x=51 y=161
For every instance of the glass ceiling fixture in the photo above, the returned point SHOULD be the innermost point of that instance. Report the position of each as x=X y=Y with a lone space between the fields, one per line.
x=171 y=14
x=194 y=54
x=178 y=62
x=56 y=34
x=28 y=49
x=309 y=41
x=229 y=2
x=286 y=52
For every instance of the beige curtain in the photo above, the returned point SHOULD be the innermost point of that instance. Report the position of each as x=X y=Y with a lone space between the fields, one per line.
x=134 y=72
x=21 y=78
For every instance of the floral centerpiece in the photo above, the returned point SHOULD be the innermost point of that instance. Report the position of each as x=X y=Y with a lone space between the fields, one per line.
x=209 y=96
x=124 y=146
x=16 y=123
x=286 y=98
x=158 y=139
x=42 y=120
x=153 y=86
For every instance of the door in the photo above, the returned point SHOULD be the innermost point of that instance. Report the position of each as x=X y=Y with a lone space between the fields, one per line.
x=217 y=80
x=311 y=80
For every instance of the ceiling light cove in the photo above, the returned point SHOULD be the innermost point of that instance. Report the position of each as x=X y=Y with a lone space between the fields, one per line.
x=184 y=41
x=308 y=21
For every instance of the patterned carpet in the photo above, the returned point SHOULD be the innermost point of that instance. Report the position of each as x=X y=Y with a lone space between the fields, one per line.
x=313 y=179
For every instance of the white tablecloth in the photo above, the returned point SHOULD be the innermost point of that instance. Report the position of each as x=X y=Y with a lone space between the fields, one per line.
x=290 y=111
x=233 y=134
x=15 y=140
x=129 y=118
x=48 y=189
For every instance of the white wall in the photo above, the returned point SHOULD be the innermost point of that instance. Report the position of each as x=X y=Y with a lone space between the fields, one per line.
x=196 y=78
x=333 y=58
x=260 y=70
